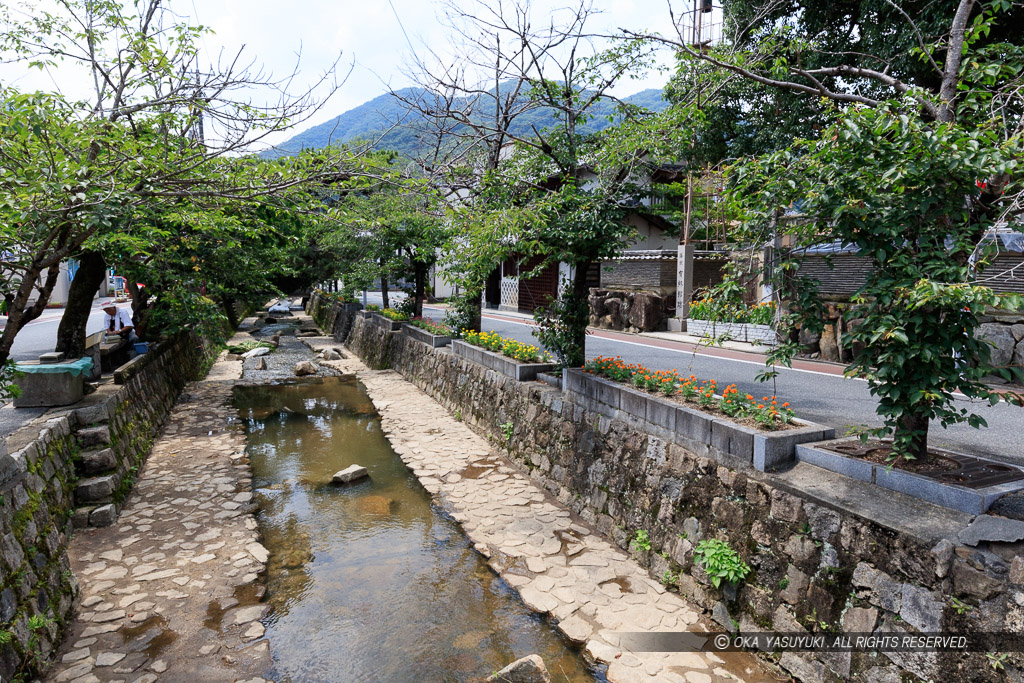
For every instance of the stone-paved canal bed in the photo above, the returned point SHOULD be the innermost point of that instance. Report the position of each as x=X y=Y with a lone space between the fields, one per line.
x=172 y=591
x=559 y=566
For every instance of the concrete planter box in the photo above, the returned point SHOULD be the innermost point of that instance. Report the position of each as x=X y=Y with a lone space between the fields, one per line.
x=521 y=372
x=700 y=328
x=365 y=315
x=387 y=324
x=551 y=380
x=435 y=341
x=744 y=332
x=973 y=501
x=760 y=334
x=700 y=432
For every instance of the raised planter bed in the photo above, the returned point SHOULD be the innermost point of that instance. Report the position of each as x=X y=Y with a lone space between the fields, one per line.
x=744 y=332
x=552 y=380
x=942 y=489
x=696 y=430
x=387 y=323
x=435 y=341
x=521 y=372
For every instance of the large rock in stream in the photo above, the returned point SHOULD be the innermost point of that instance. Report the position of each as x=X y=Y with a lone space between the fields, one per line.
x=529 y=669
x=350 y=474
x=305 y=367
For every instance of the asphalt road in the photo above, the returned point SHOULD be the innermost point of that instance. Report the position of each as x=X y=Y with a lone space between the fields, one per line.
x=40 y=335
x=816 y=391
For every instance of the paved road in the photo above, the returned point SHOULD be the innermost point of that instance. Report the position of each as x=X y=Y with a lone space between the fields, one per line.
x=36 y=338
x=40 y=335
x=817 y=391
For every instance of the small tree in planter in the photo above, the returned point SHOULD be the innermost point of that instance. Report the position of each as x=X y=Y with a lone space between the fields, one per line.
x=906 y=193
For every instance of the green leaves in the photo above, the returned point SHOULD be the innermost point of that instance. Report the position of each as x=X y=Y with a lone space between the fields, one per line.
x=905 y=192
x=721 y=562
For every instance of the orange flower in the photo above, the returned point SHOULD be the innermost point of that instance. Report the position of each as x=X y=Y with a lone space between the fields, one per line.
x=785 y=405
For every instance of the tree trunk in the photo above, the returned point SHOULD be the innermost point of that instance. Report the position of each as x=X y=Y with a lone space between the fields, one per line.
x=229 y=311
x=579 y=315
x=140 y=308
x=476 y=315
x=420 y=278
x=913 y=430
x=20 y=313
x=383 y=285
x=72 y=329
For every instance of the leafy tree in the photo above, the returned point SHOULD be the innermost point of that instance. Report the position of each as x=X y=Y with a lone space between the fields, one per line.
x=908 y=149
x=391 y=227
x=73 y=169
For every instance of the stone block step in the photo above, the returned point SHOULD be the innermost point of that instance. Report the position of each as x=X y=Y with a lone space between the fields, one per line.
x=89 y=437
x=96 y=489
x=97 y=461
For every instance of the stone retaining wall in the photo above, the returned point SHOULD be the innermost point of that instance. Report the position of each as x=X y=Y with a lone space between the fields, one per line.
x=42 y=480
x=827 y=554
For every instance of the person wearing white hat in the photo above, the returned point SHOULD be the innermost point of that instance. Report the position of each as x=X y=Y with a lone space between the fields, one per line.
x=118 y=321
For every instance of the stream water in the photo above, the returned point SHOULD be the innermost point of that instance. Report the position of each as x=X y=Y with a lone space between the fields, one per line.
x=371 y=582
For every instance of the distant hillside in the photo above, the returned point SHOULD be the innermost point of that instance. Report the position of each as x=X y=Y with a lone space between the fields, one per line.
x=367 y=121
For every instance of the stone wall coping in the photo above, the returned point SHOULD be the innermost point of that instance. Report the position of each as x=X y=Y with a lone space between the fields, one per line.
x=925 y=522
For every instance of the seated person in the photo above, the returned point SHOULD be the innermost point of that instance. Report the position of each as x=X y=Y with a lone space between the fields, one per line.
x=119 y=321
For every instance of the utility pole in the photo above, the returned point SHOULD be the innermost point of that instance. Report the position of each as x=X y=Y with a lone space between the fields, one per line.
x=700 y=38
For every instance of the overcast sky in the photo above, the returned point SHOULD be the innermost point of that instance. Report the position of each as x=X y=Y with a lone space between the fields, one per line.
x=374 y=38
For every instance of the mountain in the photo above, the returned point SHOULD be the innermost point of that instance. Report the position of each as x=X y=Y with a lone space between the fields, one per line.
x=367 y=121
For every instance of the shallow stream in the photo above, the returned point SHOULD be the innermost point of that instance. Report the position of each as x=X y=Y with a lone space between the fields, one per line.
x=371 y=582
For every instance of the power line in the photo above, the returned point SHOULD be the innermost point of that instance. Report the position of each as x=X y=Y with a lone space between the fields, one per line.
x=402 y=26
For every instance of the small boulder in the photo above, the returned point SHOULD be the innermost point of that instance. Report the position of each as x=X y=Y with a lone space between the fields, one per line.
x=376 y=505
x=330 y=354
x=104 y=515
x=280 y=308
x=305 y=367
x=529 y=669
x=257 y=352
x=350 y=474
x=261 y=364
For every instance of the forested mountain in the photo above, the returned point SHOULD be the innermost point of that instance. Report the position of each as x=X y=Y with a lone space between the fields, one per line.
x=387 y=113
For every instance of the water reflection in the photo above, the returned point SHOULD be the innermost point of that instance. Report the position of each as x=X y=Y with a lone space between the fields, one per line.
x=367 y=582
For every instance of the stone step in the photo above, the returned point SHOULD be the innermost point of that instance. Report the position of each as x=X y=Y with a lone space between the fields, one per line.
x=94 y=516
x=97 y=461
x=93 y=436
x=96 y=489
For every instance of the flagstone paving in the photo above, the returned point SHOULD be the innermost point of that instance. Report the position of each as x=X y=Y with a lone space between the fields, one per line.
x=559 y=566
x=171 y=591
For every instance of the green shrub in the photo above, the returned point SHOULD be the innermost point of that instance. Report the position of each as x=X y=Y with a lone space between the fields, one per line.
x=720 y=562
